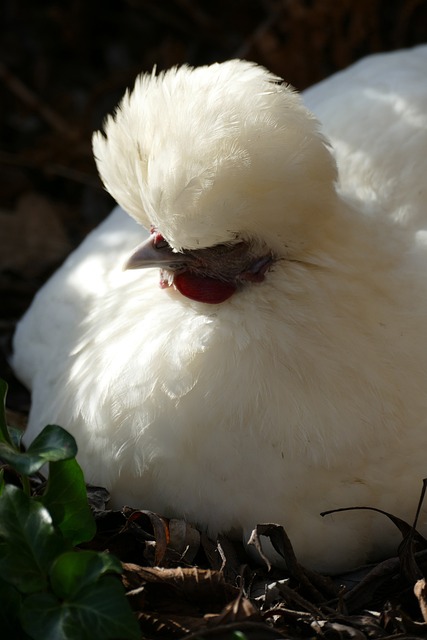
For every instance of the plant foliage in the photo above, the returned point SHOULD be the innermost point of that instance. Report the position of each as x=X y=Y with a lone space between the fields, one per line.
x=49 y=589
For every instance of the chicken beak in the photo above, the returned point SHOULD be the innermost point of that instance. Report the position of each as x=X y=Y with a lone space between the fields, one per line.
x=149 y=254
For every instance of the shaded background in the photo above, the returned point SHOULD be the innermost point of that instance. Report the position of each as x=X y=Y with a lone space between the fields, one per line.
x=64 y=65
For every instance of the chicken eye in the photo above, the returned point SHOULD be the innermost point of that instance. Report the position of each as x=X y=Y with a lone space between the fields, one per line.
x=159 y=241
x=260 y=265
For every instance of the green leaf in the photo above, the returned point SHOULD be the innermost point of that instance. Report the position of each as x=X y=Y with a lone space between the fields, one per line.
x=44 y=618
x=100 y=611
x=10 y=608
x=52 y=444
x=15 y=434
x=4 y=433
x=28 y=541
x=66 y=499
x=75 y=570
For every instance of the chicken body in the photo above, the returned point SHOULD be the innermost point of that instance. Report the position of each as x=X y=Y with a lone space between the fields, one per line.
x=299 y=384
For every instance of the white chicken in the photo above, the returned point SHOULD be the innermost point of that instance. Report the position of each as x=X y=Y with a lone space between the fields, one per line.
x=280 y=368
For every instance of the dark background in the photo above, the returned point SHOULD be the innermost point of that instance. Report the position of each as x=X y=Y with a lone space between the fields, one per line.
x=65 y=64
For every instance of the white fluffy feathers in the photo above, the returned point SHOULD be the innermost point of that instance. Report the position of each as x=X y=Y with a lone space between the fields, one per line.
x=203 y=148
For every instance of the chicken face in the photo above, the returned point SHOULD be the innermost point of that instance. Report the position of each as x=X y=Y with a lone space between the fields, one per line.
x=208 y=275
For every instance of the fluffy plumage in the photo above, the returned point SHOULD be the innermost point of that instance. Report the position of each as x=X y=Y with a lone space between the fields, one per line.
x=298 y=383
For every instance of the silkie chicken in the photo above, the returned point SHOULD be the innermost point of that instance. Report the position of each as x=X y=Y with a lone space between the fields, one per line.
x=280 y=368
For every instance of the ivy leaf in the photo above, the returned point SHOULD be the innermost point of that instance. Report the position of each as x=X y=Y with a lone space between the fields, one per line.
x=99 y=611
x=4 y=433
x=28 y=541
x=52 y=444
x=10 y=609
x=66 y=500
x=73 y=571
x=47 y=590
x=43 y=617
x=15 y=434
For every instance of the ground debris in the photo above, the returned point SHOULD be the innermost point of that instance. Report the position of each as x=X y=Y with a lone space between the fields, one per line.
x=188 y=586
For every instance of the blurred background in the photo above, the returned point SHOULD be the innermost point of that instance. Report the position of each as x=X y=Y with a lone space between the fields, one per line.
x=65 y=64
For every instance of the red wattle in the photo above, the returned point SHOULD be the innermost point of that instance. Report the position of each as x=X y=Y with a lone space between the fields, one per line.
x=203 y=289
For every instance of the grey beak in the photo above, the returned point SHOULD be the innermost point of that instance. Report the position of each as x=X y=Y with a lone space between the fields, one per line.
x=149 y=254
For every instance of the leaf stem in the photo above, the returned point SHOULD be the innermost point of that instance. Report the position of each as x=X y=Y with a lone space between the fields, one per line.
x=26 y=486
